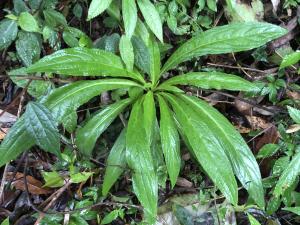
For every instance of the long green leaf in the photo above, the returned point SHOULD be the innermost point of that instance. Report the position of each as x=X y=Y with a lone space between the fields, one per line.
x=151 y=17
x=139 y=159
x=212 y=80
x=225 y=39
x=15 y=142
x=97 y=7
x=205 y=147
x=83 y=62
x=116 y=163
x=154 y=60
x=236 y=149
x=42 y=127
x=87 y=135
x=149 y=115
x=169 y=141
x=126 y=52
x=290 y=59
x=288 y=176
x=129 y=12
x=67 y=99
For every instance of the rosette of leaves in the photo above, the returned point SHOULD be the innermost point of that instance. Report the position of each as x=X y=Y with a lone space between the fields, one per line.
x=161 y=114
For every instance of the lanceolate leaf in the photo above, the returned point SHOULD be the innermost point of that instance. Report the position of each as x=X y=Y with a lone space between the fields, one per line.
x=154 y=60
x=97 y=7
x=139 y=159
x=126 y=52
x=205 y=147
x=41 y=126
x=225 y=39
x=151 y=17
x=83 y=62
x=129 y=11
x=141 y=54
x=87 y=135
x=212 y=80
x=116 y=163
x=15 y=142
x=149 y=115
x=169 y=141
x=288 y=176
x=236 y=149
x=290 y=59
x=67 y=99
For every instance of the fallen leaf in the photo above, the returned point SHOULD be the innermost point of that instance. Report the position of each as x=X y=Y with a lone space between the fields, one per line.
x=182 y=182
x=293 y=128
x=3 y=132
x=258 y=122
x=34 y=185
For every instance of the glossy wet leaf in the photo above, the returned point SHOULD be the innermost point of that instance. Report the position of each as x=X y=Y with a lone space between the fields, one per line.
x=28 y=23
x=54 y=18
x=232 y=143
x=290 y=59
x=80 y=177
x=206 y=147
x=139 y=159
x=288 y=176
x=126 y=52
x=42 y=127
x=212 y=80
x=141 y=54
x=295 y=210
x=87 y=135
x=294 y=114
x=28 y=47
x=110 y=217
x=82 y=62
x=53 y=179
x=8 y=30
x=151 y=17
x=267 y=151
x=97 y=7
x=149 y=115
x=225 y=39
x=16 y=141
x=154 y=53
x=169 y=141
x=129 y=12
x=116 y=163
x=252 y=220
x=66 y=99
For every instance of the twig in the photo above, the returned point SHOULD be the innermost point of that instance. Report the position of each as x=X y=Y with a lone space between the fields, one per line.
x=15 y=100
x=248 y=101
x=239 y=67
x=52 y=199
x=3 y=181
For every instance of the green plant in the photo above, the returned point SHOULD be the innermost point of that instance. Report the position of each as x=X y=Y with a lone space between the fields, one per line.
x=28 y=26
x=129 y=14
x=210 y=137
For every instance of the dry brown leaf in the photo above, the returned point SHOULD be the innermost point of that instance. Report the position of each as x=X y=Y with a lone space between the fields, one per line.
x=34 y=185
x=3 y=132
x=293 y=128
x=182 y=182
x=258 y=122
